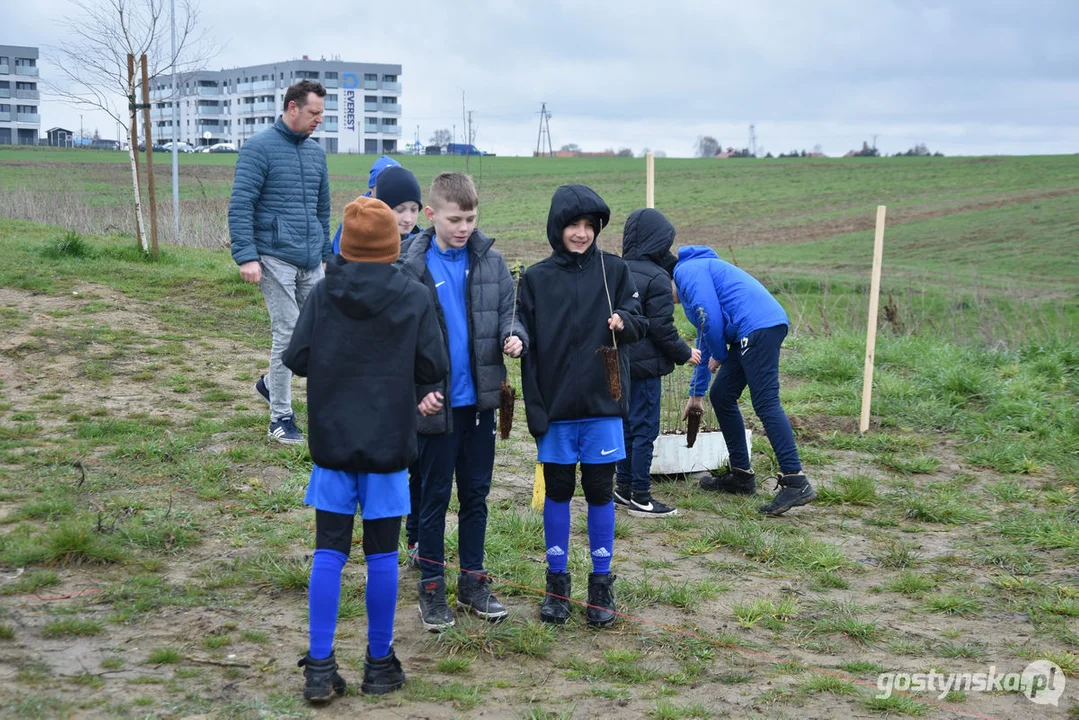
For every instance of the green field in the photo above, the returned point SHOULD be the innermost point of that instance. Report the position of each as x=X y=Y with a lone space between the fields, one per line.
x=154 y=548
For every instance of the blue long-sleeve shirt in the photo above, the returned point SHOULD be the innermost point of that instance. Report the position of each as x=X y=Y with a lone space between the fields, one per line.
x=449 y=269
x=724 y=303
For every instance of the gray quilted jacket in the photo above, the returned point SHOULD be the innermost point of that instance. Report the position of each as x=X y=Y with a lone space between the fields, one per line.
x=490 y=320
x=280 y=202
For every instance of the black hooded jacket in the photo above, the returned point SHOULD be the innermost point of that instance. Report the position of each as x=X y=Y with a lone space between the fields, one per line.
x=564 y=308
x=367 y=336
x=646 y=242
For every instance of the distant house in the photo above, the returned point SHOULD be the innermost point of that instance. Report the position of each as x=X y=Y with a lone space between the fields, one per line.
x=59 y=137
x=582 y=153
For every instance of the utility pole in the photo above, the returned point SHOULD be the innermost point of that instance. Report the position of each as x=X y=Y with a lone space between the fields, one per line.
x=81 y=133
x=544 y=129
x=874 y=142
x=471 y=138
x=752 y=141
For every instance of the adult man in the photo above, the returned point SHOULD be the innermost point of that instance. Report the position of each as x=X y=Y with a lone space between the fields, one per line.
x=279 y=223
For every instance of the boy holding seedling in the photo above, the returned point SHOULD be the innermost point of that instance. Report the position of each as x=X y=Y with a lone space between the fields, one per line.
x=741 y=328
x=473 y=294
x=574 y=304
x=361 y=400
x=646 y=248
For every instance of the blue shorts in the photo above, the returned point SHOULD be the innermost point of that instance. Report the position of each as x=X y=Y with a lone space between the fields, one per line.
x=593 y=441
x=378 y=495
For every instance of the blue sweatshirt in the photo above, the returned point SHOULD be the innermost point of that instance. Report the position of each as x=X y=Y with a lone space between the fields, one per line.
x=724 y=304
x=449 y=270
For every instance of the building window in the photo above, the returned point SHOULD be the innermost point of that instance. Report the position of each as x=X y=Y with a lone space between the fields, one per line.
x=389 y=78
x=330 y=75
x=370 y=98
x=25 y=62
x=389 y=101
x=391 y=122
x=371 y=76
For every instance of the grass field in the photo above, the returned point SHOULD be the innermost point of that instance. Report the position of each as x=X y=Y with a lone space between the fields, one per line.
x=154 y=548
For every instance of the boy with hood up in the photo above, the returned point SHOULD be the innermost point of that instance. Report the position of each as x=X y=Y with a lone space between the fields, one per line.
x=571 y=303
x=367 y=336
x=646 y=248
x=741 y=328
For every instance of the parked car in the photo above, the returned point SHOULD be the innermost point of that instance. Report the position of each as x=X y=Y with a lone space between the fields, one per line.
x=181 y=146
x=223 y=148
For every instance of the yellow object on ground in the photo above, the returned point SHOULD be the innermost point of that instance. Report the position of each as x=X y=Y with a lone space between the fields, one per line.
x=538 y=489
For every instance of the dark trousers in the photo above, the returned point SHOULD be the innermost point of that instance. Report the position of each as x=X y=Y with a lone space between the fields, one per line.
x=415 y=489
x=641 y=429
x=754 y=362
x=469 y=453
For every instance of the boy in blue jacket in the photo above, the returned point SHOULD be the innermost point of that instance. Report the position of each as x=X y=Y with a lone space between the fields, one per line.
x=741 y=328
x=362 y=410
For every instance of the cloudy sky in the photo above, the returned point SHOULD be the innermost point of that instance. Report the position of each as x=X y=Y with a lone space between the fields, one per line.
x=963 y=76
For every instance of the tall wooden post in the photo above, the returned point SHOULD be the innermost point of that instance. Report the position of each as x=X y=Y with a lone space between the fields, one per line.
x=871 y=331
x=133 y=153
x=650 y=180
x=149 y=157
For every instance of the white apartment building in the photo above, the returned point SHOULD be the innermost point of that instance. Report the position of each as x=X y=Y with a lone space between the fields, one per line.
x=363 y=104
x=20 y=120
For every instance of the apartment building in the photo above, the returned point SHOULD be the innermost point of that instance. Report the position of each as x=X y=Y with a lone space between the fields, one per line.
x=20 y=119
x=363 y=103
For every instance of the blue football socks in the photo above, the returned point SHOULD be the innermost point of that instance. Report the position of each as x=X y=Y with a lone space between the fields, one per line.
x=601 y=536
x=323 y=595
x=556 y=534
x=381 y=600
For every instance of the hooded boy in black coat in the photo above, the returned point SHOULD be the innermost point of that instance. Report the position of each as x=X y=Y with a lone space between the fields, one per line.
x=572 y=304
x=646 y=248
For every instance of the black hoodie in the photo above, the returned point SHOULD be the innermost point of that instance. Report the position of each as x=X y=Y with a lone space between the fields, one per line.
x=646 y=243
x=564 y=308
x=367 y=336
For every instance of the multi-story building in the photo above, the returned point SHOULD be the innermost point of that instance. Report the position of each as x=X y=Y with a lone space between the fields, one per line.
x=20 y=121
x=363 y=104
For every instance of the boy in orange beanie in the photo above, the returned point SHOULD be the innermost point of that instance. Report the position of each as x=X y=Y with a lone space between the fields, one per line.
x=367 y=336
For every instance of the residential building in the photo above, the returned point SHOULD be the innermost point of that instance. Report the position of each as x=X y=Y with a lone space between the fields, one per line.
x=20 y=120
x=363 y=104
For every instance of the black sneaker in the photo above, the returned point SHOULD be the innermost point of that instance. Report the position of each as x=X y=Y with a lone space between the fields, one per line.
x=474 y=595
x=322 y=682
x=600 y=611
x=794 y=490
x=648 y=507
x=732 y=480
x=555 y=605
x=383 y=675
x=285 y=431
x=261 y=389
x=434 y=611
x=621 y=497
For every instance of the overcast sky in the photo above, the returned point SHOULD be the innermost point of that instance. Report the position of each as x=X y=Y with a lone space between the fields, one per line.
x=963 y=76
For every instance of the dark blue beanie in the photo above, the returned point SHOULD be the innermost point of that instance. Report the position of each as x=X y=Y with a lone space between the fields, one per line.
x=396 y=185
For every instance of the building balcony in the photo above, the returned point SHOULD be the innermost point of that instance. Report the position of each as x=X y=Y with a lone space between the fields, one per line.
x=161 y=114
x=330 y=83
x=5 y=116
x=5 y=93
x=328 y=127
x=370 y=107
x=391 y=86
x=256 y=108
x=370 y=129
x=390 y=129
x=255 y=86
x=32 y=118
x=208 y=92
x=161 y=95
x=210 y=110
x=331 y=105
x=394 y=108
x=5 y=69
x=214 y=130
x=26 y=70
x=370 y=84
x=28 y=94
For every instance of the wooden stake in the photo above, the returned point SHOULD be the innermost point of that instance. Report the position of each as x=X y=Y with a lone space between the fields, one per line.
x=871 y=331
x=149 y=158
x=650 y=180
x=133 y=154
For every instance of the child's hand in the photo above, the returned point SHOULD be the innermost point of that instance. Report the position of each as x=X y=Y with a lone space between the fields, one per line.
x=695 y=404
x=712 y=365
x=431 y=403
x=695 y=356
x=513 y=346
x=615 y=323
